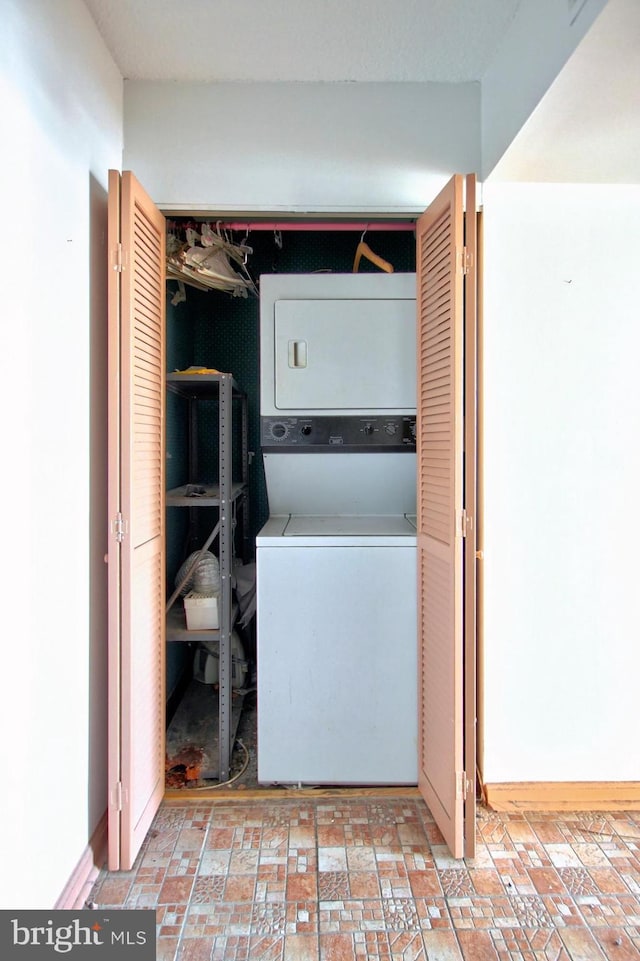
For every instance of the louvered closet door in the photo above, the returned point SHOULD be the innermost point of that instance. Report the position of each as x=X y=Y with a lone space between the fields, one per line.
x=440 y=291
x=471 y=318
x=136 y=549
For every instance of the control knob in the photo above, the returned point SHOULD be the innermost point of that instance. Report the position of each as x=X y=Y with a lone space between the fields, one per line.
x=278 y=430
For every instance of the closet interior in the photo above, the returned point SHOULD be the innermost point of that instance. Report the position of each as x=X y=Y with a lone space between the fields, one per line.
x=212 y=328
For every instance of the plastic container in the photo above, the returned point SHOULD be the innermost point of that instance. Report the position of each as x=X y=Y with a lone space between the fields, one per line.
x=206 y=663
x=201 y=611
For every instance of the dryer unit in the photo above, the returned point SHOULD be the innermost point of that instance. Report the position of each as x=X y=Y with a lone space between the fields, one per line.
x=337 y=343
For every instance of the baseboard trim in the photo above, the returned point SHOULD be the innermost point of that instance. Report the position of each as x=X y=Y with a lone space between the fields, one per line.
x=564 y=796
x=180 y=795
x=78 y=887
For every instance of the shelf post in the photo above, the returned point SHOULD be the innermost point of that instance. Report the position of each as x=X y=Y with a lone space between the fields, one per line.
x=225 y=474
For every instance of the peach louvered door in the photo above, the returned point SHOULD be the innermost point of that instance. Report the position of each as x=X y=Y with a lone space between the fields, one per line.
x=136 y=499
x=442 y=261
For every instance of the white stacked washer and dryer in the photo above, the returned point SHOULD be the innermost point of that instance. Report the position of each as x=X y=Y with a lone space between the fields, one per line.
x=336 y=561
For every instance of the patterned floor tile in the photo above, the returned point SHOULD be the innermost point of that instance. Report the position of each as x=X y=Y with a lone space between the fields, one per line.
x=390 y=946
x=425 y=883
x=331 y=835
x=562 y=909
x=166 y=948
x=441 y=946
x=548 y=880
x=364 y=884
x=477 y=946
x=578 y=881
x=609 y=881
x=114 y=890
x=301 y=886
x=240 y=887
x=521 y=832
x=520 y=911
x=348 y=915
x=176 y=890
x=333 y=885
x=337 y=947
x=218 y=919
x=433 y=913
x=195 y=949
x=486 y=881
x=235 y=948
x=547 y=832
x=456 y=883
x=269 y=918
x=361 y=858
x=400 y=914
x=615 y=944
x=348 y=879
x=170 y=920
x=186 y=865
x=190 y=840
x=631 y=878
x=563 y=856
x=271 y=881
x=394 y=885
x=301 y=947
x=209 y=888
x=580 y=944
x=609 y=909
x=332 y=859
x=524 y=944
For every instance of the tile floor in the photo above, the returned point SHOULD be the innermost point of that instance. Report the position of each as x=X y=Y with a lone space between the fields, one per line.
x=338 y=879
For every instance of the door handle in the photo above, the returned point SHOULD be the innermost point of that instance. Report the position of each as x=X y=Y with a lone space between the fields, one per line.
x=297 y=353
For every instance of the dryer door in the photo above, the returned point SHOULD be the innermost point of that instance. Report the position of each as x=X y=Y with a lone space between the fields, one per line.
x=345 y=354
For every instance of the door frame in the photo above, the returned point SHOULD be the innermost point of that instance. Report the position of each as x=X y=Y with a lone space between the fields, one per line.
x=294 y=220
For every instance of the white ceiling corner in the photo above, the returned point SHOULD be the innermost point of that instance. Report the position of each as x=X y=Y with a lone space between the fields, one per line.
x=586 y=128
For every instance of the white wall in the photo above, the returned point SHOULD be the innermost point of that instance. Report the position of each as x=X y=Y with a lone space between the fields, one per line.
x=562 y=460
x=335 y=147
x=62 y=120
x=542 y=36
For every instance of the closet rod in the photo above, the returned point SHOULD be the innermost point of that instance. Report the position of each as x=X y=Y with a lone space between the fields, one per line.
x=298 y=225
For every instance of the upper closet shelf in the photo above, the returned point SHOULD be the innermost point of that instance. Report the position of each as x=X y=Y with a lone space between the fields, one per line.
x=196 y=385
x=200 y=495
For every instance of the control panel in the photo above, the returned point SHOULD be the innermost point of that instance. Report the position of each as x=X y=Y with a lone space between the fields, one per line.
x=347 y=433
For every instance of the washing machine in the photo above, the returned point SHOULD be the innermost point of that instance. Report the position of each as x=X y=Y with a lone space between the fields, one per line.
x=336 y=560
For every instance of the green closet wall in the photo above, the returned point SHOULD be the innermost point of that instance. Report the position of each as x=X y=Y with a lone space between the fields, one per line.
x=179 y=351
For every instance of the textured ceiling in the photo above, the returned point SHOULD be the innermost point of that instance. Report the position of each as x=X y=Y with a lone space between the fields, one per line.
x=305 y=40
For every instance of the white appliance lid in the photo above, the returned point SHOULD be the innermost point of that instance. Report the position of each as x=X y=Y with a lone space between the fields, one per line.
x=338 y=525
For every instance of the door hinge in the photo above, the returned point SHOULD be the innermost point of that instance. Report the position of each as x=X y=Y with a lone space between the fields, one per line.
x=463 y=521
x=461 y=786
x=117 y=258
x=467 y=260
x=119 y=528
x=116 y=797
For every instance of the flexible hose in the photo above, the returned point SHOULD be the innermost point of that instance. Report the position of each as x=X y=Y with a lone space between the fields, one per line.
x=192 y=567
x=214 y=787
